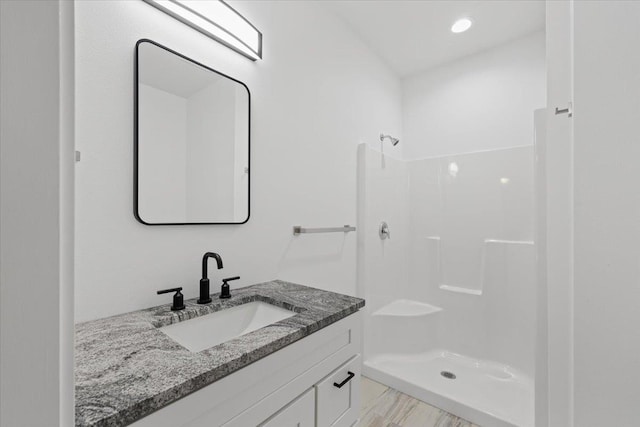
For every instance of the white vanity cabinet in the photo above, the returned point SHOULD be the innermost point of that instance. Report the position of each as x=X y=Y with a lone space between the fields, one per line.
x=333 y=402
x=299 y=413
x=294 y=386
x=339 y=406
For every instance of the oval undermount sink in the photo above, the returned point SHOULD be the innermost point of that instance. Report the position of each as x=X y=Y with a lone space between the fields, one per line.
x=212 y=329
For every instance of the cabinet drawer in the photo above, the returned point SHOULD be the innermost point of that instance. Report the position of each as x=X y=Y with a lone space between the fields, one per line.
x=299 y=413
x=339 y=406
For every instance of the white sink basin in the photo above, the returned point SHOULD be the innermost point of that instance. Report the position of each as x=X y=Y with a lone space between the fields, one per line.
x=212 y=329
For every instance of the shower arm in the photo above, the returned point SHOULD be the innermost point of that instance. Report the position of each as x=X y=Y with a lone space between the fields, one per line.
x=394 y=141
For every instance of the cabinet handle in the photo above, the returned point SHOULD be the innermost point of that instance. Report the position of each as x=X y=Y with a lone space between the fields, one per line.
x=351 y=375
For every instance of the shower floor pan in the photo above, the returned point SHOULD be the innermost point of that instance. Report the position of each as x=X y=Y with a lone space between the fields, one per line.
x=486 y=393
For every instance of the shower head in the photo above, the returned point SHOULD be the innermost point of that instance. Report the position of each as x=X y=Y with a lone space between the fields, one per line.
x=394 y=141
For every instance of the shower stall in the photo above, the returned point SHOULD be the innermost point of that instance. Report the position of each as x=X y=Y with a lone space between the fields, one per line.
x=450 y=316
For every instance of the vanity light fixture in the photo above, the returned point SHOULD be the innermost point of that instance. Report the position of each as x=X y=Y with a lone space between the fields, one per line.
x=461 y=25
x=218 y=20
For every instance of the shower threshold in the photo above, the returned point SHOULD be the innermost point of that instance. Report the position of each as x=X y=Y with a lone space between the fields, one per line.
x=486 y=393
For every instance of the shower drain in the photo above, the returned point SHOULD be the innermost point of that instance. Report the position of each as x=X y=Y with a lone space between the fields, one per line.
x=448 y=375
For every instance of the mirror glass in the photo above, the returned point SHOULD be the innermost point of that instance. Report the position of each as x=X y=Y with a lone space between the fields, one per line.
x=192 y=141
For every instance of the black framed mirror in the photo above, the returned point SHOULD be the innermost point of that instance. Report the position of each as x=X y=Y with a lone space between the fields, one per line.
x=192 y=141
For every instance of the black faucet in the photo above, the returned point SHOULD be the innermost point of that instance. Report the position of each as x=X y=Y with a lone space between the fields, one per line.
x=205 y=297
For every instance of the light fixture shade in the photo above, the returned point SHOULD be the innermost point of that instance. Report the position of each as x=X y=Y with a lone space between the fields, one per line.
x=218 y=20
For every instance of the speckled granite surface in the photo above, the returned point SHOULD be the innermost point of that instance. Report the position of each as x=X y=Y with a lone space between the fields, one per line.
x=126 y=368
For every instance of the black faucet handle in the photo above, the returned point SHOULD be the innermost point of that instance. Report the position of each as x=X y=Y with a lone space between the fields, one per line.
x=166 y=291
x=178 y=298
x=225 y=290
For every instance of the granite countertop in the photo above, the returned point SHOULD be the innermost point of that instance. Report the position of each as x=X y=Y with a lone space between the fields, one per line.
x=126 y=368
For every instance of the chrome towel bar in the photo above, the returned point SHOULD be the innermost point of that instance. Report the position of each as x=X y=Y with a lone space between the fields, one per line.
x=297 y=229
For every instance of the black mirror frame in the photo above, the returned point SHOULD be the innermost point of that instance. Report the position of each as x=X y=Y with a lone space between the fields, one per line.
x=136 y=137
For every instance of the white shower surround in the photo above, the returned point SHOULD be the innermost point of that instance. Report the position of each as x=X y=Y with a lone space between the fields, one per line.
x=454 y=289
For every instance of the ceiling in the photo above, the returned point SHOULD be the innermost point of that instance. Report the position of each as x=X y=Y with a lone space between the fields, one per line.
x=171 y=73
x=414 y=35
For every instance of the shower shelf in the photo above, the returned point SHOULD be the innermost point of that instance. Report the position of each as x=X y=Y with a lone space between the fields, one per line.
x=407 y=308
x=487 y=244
x=460 y=290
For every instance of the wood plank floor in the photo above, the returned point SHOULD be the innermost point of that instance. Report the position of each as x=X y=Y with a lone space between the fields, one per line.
x=385 y=407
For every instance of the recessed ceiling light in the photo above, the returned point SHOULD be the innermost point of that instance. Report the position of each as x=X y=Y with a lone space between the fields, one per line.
x=461 y=25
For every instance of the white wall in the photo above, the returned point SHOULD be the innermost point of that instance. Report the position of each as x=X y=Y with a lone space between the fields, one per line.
x=481 y=102
x=606 y=213
x=558 y=192
x=317 y=93
x=36 y=214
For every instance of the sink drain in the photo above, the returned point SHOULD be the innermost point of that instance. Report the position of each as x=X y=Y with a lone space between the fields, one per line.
x=448 y=375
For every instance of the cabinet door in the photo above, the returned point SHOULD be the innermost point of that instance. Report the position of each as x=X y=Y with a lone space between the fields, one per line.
x=299 y=413
x=338 y=396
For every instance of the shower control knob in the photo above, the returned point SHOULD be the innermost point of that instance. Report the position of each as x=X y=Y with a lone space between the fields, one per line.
x=383 y=231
